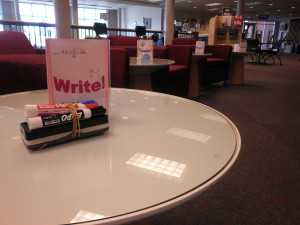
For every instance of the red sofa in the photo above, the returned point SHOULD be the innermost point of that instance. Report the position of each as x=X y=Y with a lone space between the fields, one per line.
x=21 y=67
x=129 y=43
x=184 y=41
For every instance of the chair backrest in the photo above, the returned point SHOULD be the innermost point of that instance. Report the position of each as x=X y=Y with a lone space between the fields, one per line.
x=119 y=67
x=140 y=31
x=252 y=44
x=116 y=40
x=219 y=51
x=275 y=47
x=181 y=54
x=184 y=41
x=155 y=37
x=15 y=43
x=100 y=29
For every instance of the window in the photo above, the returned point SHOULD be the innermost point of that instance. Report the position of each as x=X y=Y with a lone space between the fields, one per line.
x=1 y=11
x=88 y=16
x=30 y=12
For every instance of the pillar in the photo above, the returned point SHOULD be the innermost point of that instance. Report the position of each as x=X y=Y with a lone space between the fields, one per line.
x=62 y=18
x=240 y=8
x=169 y=21
x=74 y=9
x=17 y=10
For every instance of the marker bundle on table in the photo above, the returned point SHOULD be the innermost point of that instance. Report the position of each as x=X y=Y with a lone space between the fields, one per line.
x=48 y=125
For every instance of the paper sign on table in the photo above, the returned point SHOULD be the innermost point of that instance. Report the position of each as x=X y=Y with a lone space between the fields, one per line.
x=144 y=51
x=241 y=47
x=199 y=49
x=78 y=70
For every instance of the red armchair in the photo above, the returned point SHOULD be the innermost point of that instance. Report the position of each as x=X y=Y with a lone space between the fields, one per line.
x=119 y=67
x=22 y=69
x=176 y=80
x=217 y=65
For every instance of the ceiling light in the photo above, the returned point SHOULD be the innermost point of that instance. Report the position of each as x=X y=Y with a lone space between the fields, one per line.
x=271 y=4
x=278 y=10
x=293 y=7
x=213 y=4
x=254 y=3
x=154 y=0
x=213 y=9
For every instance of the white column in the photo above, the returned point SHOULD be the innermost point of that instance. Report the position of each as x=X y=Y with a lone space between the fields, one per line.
x=240 y=8
x=74 y=7
x=17 y=10
x=123 y=18
x=169 y=21
x=62 y=18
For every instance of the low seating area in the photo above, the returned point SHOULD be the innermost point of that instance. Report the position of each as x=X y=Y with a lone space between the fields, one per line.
x=129 y=43
x=23 y=68
x=216 y=68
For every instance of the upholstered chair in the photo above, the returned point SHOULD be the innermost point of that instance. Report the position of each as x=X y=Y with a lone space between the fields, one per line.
x=119 y=67
x=217 y=66
x=175 y=79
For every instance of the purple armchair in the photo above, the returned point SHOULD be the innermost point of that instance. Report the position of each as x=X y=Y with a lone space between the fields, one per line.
x=21 y=67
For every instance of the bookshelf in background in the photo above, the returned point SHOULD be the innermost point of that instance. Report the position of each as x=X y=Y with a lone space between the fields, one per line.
x=225 y=30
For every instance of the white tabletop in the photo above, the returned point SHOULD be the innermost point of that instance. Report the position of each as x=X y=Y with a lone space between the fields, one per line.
x=156 y=62
x=160 y=150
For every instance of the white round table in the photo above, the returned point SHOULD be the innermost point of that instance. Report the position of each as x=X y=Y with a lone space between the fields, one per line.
x=160 y=151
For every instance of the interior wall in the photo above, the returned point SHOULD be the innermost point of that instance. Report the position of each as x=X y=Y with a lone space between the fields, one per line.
x=8 y=10
x=113 y=18
x=135 y=15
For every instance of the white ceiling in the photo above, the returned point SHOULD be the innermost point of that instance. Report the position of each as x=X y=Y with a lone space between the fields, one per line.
x=258 y=6
x=279 y=10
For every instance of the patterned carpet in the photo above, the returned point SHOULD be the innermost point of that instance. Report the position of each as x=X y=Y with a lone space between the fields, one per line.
x=263 y=186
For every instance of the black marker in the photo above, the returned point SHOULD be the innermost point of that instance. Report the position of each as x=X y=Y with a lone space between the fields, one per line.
x=56 y=119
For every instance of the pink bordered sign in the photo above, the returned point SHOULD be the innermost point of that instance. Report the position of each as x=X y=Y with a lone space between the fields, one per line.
x=78 y=70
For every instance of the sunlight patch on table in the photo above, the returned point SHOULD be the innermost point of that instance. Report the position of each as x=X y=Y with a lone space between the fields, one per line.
x=196 y=136
x=156 y=164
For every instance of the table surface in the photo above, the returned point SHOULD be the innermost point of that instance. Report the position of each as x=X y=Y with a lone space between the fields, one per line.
x=156 y=62
x=243 y=53
x=160 y=151
x=201 y=55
